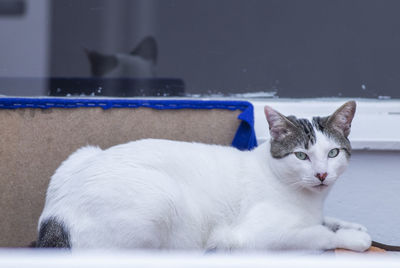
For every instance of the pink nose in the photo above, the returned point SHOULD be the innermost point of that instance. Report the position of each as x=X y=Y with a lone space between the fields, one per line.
x=321 y=176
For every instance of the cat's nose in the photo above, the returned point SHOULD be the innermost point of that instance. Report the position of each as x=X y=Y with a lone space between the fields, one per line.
x=321 y=176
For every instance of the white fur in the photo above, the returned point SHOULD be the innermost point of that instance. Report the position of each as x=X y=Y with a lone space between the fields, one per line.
x=177 y=195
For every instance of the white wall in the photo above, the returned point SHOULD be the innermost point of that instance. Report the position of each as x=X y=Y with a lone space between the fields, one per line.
x=369 y=193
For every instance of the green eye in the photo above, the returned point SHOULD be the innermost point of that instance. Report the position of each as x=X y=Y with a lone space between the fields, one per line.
x=333 y=153
x=301 y=155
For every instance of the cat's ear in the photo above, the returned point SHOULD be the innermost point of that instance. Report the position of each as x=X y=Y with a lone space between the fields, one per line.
x=279 y=126
x=341 y=119
x=147 y=49
x=100 y=64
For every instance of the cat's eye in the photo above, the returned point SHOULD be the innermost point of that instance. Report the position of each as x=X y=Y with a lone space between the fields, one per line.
x=301 y=155
x=333 y=153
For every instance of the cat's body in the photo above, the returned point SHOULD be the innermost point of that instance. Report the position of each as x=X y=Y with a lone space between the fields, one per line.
x=177 y=195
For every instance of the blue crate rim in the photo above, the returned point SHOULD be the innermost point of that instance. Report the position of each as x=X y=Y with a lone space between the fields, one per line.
x=45 y=103
x=245 y=137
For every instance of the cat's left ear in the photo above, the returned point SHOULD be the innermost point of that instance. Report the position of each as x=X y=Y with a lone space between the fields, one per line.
x=341 y=119
x=279 y=126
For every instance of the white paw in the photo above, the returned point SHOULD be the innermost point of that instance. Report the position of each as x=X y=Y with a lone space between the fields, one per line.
x=336 y=224
x=223 y=239
x=353 y=239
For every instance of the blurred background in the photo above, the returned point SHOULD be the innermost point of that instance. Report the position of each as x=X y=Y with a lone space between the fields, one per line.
x=235 y=48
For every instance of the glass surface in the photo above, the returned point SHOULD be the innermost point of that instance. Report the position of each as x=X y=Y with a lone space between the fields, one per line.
x=235 y=48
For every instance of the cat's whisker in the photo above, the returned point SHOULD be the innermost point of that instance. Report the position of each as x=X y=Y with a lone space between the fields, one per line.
x=296 y=185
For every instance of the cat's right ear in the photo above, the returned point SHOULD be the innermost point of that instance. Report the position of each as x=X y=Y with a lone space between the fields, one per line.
x=279 y=126
x=342 y=117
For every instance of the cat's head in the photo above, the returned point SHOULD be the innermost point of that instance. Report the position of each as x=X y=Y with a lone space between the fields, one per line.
x=139 y=63
x=312 y=153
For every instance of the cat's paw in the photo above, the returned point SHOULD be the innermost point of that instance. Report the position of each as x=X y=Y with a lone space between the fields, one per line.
x=335 y=225
x=352 y=239
x=354 y=226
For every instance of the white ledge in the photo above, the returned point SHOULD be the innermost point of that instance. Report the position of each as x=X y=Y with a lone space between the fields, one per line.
x=376 y=125
x=124 y=259
x=374 y=145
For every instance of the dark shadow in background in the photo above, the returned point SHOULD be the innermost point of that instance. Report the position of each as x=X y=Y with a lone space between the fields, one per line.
x=301 y=49
x=308 y=48
x=12 y=7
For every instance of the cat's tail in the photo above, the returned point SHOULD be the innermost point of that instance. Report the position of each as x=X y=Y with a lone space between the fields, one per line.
x=385 y=247
x=53 y=234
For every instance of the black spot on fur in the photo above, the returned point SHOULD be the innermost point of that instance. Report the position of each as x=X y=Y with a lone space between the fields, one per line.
x=53 y=234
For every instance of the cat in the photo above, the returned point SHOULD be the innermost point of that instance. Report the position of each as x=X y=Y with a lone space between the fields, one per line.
x=161 y=194
x=140 y=63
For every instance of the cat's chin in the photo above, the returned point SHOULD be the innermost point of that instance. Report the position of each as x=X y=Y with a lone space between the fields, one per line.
x=319 y=188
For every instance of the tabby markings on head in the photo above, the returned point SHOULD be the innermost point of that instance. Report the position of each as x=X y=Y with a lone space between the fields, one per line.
x=321 y=124
x=300 y=133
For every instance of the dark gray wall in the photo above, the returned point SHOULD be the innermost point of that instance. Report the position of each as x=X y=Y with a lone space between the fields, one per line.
x=307 y=48
x=24 y=45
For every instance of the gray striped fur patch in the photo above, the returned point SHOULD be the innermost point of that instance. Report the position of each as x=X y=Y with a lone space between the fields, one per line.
x=301 y=133
x=321 y=124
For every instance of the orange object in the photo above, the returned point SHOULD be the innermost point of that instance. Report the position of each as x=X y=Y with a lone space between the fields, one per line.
x=370 y=250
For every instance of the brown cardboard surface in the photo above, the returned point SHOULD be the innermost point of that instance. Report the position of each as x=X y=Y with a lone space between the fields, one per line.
x=34 y=142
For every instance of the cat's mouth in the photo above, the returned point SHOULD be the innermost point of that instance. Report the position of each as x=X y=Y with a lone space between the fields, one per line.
x=320 y=186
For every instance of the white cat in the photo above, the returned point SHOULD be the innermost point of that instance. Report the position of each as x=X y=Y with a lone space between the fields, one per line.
x=176 y=195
